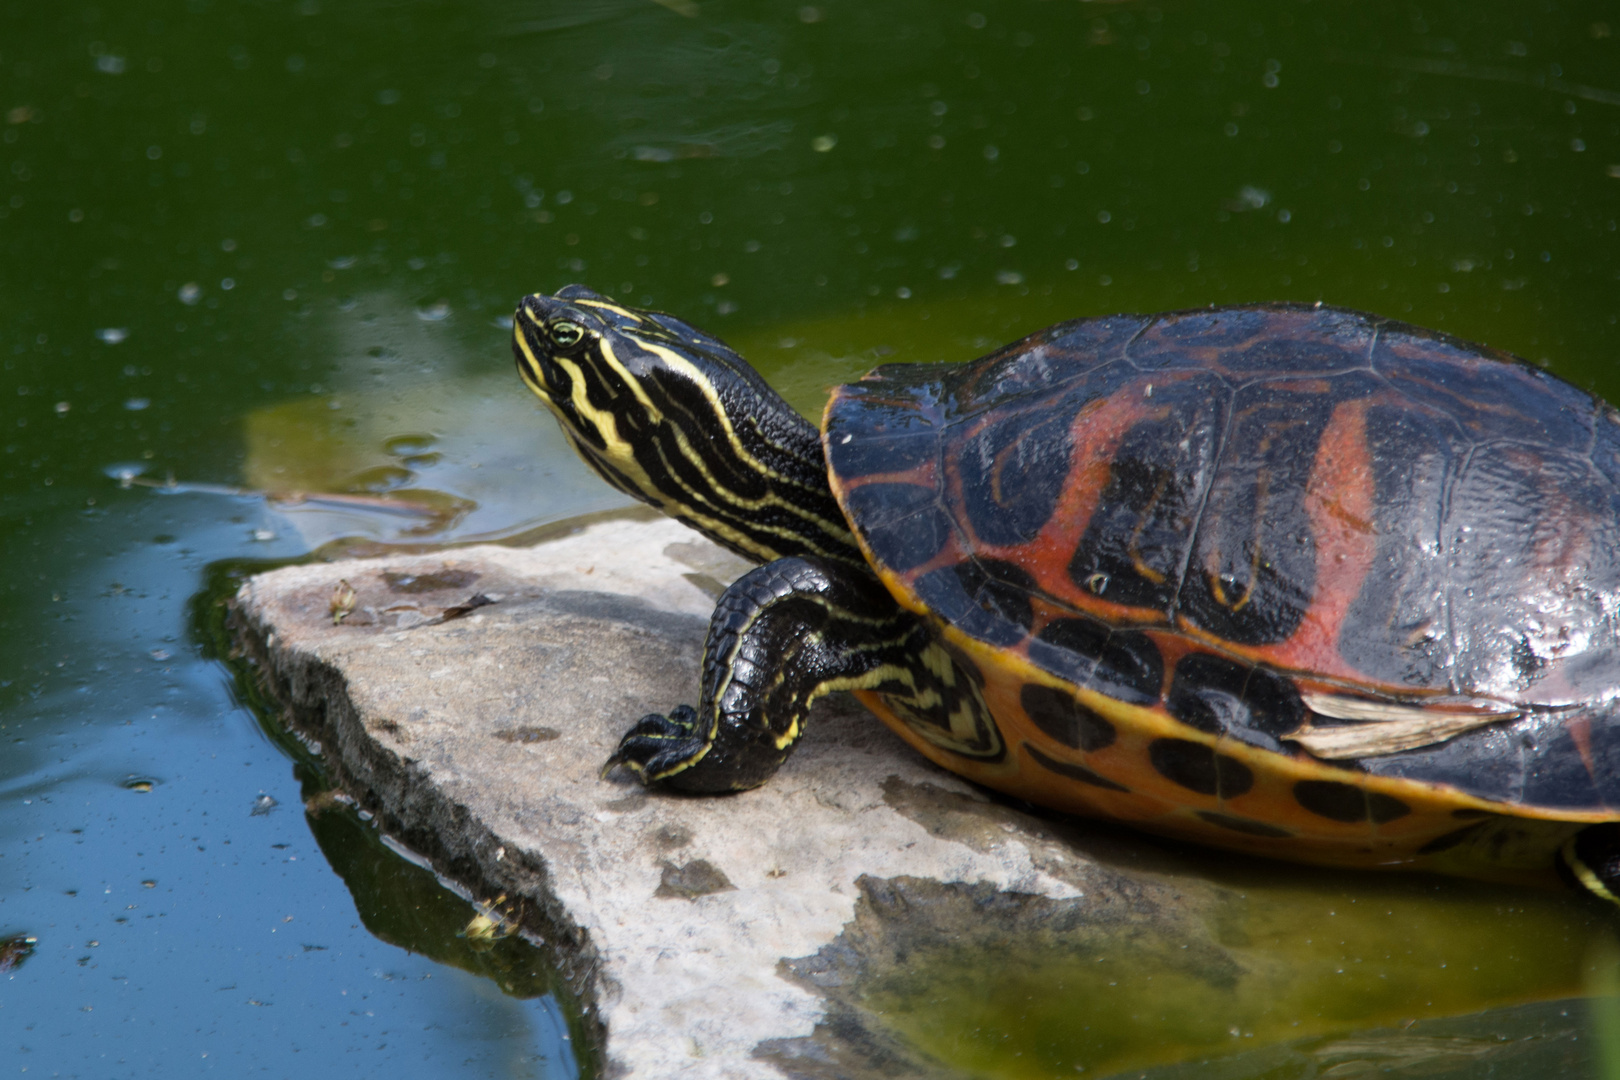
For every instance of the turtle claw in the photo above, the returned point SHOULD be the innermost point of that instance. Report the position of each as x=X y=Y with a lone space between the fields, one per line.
x=659 y=746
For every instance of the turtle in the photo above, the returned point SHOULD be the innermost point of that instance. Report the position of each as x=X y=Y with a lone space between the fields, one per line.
x=1281 y=578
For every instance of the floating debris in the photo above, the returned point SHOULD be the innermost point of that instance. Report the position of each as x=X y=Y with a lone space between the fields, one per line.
x=15 y=949
x=343 y=601
x=323 y=801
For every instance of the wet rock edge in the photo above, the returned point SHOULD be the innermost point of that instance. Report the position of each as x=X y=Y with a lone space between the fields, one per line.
x=406 y=805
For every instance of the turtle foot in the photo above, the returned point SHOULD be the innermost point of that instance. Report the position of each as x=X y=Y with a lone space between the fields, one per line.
x=659 y=746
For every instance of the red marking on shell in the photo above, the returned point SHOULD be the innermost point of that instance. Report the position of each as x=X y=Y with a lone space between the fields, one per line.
x=1580 y=733
x=1339 y=504
x=1097 y=431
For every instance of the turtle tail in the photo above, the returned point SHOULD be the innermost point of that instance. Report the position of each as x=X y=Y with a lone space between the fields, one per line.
x=1592 y=858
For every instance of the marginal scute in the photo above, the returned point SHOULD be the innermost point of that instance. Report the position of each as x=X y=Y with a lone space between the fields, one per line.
x=1199 y=768
x=1059 y=715
x=1000 y=589
x=983 y=598
x=1124 y=664
x=899 y=439
x=1219 y=695
x=903 y=523
x=1072 y=771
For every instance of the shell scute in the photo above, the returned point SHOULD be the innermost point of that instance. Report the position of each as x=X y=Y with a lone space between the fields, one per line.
x=1489 y=394
x=1248 y=343
x=1124 y=664
x=905 y=525
x=1221 y=696
x=1397 y=621
x=1013 y=470
x=1137 y=536
x=988 y=599
x=1059 y=356
x=1253 y=570
x=899 y=439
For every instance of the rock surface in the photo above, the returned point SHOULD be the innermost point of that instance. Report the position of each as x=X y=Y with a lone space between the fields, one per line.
x=477 y=736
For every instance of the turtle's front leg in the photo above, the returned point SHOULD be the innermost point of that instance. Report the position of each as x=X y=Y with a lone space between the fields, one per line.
x=781 y=636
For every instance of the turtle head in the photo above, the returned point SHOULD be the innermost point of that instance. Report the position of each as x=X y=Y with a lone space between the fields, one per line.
x=675 y=418
x=569 y=344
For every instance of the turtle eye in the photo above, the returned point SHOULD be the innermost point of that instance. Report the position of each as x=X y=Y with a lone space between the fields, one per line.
x=567 y=334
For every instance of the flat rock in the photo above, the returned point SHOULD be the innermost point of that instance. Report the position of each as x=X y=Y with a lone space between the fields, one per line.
x=468 y=698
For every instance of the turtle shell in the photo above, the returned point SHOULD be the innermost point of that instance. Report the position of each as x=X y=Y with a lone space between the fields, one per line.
x=1293 y=579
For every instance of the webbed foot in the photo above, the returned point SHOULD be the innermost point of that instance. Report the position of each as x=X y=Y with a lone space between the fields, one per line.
x=660 y=746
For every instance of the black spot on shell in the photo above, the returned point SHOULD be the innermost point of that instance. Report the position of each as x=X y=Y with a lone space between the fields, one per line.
x=1382 y=808
x=1450 y=839
x=1059 y=715
x=1347 y=803
x=1244 y=825
x=1221 y=696
x=1123 y=664
x=1073 y=772
x=903 y=523
x=1012 y=473
x=1199 y=768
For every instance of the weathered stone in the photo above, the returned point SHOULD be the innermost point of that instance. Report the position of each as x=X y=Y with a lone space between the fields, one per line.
x=478 y=741
x=468 y=699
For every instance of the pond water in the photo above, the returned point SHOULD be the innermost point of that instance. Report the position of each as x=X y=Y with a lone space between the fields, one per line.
x=271 y=247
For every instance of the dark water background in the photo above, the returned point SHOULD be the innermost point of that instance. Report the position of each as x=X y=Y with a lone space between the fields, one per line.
x=271 y=245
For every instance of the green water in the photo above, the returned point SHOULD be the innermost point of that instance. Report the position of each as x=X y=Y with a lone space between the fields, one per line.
x=271 y=245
